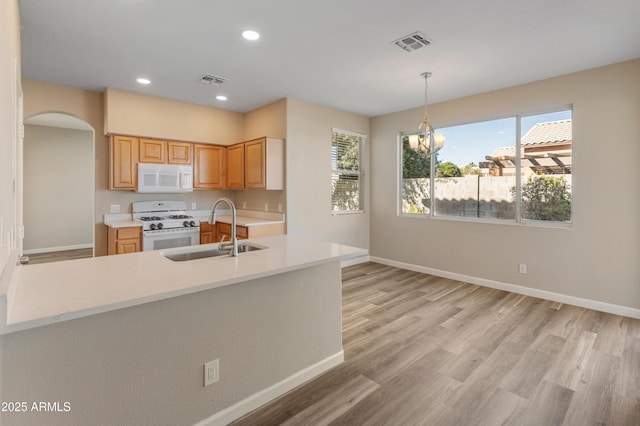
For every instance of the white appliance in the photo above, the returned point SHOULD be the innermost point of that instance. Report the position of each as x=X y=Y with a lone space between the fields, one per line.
x=164 y=178
x=165 y=224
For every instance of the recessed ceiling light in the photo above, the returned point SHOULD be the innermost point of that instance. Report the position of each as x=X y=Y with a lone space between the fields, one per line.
x=250 y=35
x=143 y=81
x=221 y=97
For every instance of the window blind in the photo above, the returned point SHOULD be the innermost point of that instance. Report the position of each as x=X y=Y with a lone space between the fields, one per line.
x=347 y=174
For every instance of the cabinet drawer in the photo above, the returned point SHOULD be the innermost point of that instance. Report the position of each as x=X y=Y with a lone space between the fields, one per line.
x=206 y=227
x=224 y=228
x=124 y=233
x=242 y=232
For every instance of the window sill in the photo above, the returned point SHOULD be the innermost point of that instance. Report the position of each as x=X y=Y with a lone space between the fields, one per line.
x=524 y=222
x=346 y=212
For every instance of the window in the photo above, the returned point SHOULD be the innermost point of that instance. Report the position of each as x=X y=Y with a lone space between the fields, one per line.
x=347 y=174
x=487 y=170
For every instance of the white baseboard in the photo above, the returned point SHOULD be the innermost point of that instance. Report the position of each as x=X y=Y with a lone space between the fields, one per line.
x=256 y=400
x=61 y=248
x=513 y=288
x=354 y=261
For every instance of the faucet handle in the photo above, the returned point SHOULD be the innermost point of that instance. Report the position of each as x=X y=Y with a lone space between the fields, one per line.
x=221 y=244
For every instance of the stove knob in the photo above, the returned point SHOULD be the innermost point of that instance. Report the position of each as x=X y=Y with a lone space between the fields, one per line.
x=192 y=223
x=185 y=223
x=152 y=226
x=160 y=226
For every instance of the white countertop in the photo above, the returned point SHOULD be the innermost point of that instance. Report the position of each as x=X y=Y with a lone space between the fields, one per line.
x=53 y=292
x=124 y=223
x=243 y=218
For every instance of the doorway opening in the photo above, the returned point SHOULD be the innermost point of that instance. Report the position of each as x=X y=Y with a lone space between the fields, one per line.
x=59 y=187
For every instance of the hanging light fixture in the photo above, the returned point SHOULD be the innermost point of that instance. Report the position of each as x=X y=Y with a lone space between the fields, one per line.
x=428 y=142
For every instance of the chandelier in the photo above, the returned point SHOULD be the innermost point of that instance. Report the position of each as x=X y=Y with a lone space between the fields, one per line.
x=428 y=141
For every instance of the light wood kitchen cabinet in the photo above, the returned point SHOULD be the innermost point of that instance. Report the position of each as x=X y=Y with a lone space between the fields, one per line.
x=207 y=233
x=224 y=230
x=245 y=232
x=261 y=168
x=208 y=166
x=125 y=152
x=179 y=152
x=123 y=161
x=164 y=152
x=152 y=151
x=124 y=240
x=235 y=166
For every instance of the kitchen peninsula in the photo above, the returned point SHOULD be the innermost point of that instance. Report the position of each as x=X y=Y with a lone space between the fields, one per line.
x=271 y=317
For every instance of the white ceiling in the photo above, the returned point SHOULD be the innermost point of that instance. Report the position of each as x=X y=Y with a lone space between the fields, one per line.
x=331 y=52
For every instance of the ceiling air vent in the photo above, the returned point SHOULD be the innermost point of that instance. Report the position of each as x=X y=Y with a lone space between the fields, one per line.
x=213 y=80
x=412 y=42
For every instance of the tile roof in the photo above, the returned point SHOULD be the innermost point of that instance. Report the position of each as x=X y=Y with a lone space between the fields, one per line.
x=549 y=133
x=505 y=151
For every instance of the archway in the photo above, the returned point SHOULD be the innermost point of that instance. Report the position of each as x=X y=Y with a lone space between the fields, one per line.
x=58 y=192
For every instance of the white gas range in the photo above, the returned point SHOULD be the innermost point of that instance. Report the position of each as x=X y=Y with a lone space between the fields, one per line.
x=165 y=224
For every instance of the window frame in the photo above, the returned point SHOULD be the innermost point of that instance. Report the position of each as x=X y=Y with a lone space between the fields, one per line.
x=518 y=220
x=360 y=173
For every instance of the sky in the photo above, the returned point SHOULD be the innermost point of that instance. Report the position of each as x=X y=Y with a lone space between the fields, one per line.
x=472 y=142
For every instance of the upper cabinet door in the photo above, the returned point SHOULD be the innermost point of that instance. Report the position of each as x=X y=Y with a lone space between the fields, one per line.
x=254 y=164
x=208 y=167
x=264 y=164
x=153 y=151
x=235 y=166
x=179 y=152
x=123 y=152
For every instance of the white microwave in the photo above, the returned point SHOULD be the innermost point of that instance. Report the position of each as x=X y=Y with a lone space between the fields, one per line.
x=164 y=178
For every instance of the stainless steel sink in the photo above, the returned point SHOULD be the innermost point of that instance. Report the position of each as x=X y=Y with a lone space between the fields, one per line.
x=199 y=253
x=244 y=248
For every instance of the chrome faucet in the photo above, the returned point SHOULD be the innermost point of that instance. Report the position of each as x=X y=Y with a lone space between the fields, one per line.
x=233 y=244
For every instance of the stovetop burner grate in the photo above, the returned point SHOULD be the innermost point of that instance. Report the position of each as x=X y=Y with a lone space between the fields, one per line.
x=148 y=218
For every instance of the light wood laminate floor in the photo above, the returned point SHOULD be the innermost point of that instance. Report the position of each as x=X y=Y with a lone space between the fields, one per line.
x=424 y=350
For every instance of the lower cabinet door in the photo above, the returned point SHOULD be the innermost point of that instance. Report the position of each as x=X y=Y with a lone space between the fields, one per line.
x=127 y=246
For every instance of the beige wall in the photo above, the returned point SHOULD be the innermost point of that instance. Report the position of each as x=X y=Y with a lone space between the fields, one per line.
x=58 y=188
x=269 y=120
x=306 y=128
x=309 y=174
x=134 y=114
x=597 y=258
x=41 y=97
x=144 y=365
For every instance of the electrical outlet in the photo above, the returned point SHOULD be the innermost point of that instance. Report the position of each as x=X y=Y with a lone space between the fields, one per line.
x=279 y=208
x=211 y=372
x=266 y=207
x=193 y=206
x=523 y=268
x=244 y=205
x=114 y=208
